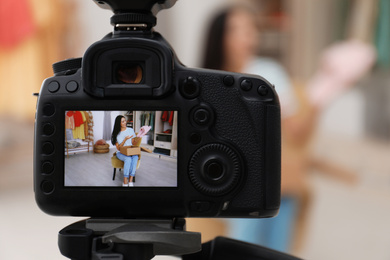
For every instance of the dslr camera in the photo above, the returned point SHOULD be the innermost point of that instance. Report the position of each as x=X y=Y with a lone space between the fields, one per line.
x=213 y=148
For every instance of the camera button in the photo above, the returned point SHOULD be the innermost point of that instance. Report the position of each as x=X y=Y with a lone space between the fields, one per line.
x=200 y=206
x=47 y=167
x=54 y=86
x=201 y=116
x=72 y=86
x=195 y=138
x=262 y=90
x=246 y=84
x=48 y=129
x=214 y=171
x=48 y=110
x=47 y=187
x=228 y=81
x=190 y=88
x=47 y=148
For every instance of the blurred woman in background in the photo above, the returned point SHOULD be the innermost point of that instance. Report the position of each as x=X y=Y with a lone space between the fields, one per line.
x=232 y=44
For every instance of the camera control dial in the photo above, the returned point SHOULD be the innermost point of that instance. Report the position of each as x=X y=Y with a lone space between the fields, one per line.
x=215 y=169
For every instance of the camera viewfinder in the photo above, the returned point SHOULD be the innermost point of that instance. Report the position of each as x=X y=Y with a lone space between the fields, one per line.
x=128 y=73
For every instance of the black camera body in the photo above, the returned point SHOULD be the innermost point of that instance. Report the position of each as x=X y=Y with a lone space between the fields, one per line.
x=226 y=131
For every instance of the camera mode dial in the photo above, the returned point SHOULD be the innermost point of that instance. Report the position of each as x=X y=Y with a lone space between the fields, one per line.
x=67 y=67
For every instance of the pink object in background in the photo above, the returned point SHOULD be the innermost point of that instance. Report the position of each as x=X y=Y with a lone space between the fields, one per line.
x=341 y=66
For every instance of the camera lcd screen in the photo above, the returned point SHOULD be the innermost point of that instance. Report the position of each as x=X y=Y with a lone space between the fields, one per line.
x=111 y=148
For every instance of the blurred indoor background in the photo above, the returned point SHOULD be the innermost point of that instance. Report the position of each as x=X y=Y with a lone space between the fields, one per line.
x=342 y=219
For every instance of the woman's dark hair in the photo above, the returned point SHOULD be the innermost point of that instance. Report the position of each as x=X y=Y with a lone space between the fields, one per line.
x=214 y=49
x=117 y=129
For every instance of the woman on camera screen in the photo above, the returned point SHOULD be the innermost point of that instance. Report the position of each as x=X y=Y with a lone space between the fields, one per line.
x=125 y=136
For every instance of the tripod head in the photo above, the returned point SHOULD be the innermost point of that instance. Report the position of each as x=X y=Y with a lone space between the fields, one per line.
x=125 y=239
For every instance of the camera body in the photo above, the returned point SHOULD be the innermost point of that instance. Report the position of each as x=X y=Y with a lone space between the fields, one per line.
x=225 y=133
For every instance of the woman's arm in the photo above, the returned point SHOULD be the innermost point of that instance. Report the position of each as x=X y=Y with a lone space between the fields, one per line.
x=119 y=145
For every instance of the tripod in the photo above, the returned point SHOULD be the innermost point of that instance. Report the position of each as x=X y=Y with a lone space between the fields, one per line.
x=119 y=239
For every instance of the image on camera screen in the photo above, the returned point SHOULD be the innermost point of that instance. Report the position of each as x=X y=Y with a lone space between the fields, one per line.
x=145 y=147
